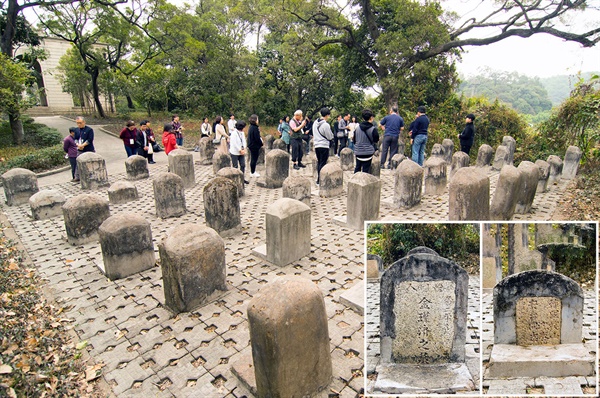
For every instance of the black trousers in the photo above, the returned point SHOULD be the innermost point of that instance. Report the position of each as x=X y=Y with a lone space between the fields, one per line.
x=322 y=156
x=389 y=144
x=73 y=162
x=363 y=165
x=235 y=159
x=343 y=143
x=465 y=148
x=254 y=152
x=297 y=150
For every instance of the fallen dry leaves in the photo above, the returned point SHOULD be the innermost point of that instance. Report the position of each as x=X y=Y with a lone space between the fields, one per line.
x=37 y=356
x=581 y=201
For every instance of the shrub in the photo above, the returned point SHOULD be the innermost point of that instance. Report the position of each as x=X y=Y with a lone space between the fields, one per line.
x=40 y=160
x=41 y=136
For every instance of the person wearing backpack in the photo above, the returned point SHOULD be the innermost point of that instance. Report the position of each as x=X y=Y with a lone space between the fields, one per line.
x=365 y=138
x=322 y=137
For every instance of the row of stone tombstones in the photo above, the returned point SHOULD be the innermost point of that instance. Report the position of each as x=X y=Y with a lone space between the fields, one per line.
x=192 y=259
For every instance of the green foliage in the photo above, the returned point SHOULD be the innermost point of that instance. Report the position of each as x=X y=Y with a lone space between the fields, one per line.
x=40 y=160
x=559 y=87
x=575 y=122
x=459 y=242
x=14 y=80
x=524 y=94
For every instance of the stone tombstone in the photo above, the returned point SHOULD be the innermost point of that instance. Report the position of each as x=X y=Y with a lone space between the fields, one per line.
x=469 y=195
x=531 y=177
x=538 y=308
x=375 y=169
x=408 y=182
x=46 y=203
x=332 y=181
x=437 y=151
x=206 y=151
x=501 y=158
x=280 y=144
x=192 y=259
x=520 y=257
x=396 y=160
x=136 y=168
x=491 y=262
x=236 y=176
x=401 y=146
x=169 y=197
x=220 y=160
x=19 y=185
x=92 y=170
x=269 y=140
x=510 y=143
x=448 y=146
x=290 y=339
x=364 y=192
x=423 y=310
x=374 y=266
x=311 y=158
x=222 y=206
x=277 y=169
x=126 y=242
x=544 y=168
x=287 y=220
x=508 y=190
x=459 y=160
x=181 y=162
x=83 y=215
x=571 y=163
x=485 y=154
x=122 y=192
x=347 y=159
x=556 y=167
x=436 y=172
x=297 y=187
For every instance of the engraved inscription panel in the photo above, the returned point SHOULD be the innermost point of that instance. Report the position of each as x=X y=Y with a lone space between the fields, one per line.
x=372 y=269
x=538 y=320
x=424 y=324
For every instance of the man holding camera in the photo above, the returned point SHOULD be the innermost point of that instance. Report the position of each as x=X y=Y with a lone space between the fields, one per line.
x=296 y=125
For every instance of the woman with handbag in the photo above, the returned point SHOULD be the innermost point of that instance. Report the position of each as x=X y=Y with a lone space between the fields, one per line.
x=221 y=136
x=238 y=147
x=255 y=142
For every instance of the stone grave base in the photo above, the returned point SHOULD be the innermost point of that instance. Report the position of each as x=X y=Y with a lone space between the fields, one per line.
x=509 y=360
x=446 y=378
x=354 y=298
x=243 y=369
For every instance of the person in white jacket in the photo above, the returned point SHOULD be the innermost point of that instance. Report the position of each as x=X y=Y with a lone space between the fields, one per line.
x=238 y=147
x=322 y=136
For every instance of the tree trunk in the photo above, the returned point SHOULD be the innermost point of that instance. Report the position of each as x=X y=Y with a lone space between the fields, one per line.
x=96 y=93
x=8 y=35
x=129 y=102
x=390 y=96
x=16 y=126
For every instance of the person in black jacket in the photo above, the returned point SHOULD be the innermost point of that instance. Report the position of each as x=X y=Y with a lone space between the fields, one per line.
x=468 y=134
x=254 y=143
x=365 y=138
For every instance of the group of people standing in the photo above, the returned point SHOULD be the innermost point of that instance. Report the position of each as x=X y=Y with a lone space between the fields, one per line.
x=139 y=141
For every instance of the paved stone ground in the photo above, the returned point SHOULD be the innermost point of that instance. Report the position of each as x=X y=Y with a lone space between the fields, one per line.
x=472 y=344
x=569 y=386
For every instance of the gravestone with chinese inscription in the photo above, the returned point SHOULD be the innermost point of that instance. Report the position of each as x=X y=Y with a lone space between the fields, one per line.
x=538 y=319
x=423 y=326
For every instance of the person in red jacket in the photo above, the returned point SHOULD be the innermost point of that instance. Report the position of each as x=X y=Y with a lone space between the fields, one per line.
x=168 y=140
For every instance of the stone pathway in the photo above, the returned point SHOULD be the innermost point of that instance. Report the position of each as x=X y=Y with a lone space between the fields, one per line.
x=569 y=386
x=472 y=344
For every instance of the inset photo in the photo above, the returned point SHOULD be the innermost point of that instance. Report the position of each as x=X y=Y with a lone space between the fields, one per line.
x=540 y=315
x=423 y=309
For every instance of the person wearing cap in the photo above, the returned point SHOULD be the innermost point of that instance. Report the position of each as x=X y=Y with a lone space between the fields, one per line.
x=419 y=135
x=296 y=126
x=128 y=135
x=468 y=134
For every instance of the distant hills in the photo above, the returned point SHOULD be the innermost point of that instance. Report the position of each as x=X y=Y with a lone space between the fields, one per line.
x=527 y=95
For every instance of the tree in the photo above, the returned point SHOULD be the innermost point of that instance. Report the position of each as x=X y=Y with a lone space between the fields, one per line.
x=14 y=79
x=393 y=36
